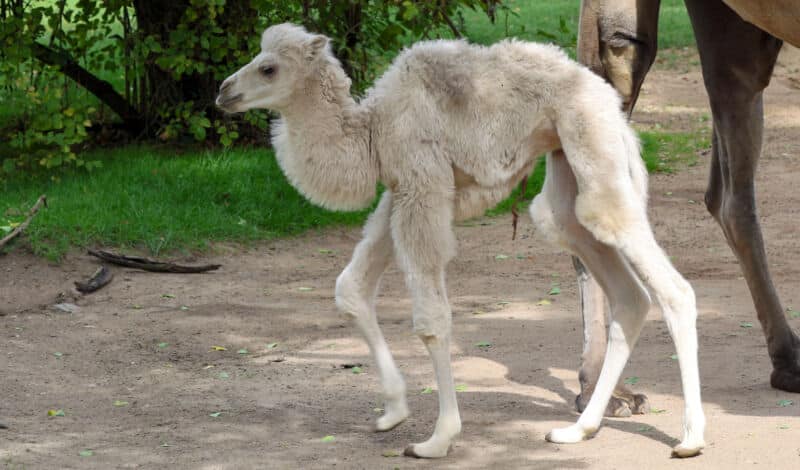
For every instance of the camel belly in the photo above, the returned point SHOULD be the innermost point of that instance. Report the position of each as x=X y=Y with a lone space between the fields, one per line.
x=780 y=18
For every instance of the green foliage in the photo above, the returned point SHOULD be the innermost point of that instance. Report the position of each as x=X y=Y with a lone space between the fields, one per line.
x=155 y=66
x=159 y=200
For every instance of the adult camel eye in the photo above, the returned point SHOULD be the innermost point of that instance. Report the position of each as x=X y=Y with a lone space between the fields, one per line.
x=268 y=71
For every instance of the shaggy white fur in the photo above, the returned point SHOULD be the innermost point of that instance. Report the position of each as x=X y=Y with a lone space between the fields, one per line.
x=450 y=129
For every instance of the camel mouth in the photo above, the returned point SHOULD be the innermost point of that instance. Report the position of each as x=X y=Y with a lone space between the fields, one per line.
x=224 y=102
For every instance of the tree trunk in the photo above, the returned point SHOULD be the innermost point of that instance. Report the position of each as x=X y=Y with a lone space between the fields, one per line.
x=131 y=119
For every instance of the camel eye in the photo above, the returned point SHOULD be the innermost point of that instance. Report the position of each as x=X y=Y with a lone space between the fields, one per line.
x=268 y=71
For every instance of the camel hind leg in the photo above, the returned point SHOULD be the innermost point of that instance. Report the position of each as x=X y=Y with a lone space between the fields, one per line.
x=621 y=268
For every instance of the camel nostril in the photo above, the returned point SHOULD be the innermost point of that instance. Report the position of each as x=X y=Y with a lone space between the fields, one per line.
x=225 y=85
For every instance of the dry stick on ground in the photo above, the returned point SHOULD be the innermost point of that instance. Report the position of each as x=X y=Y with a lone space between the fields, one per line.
x=150 y=265
x=39 y=203
x=99 y=279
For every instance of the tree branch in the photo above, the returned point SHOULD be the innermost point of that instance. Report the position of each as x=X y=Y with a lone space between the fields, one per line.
x=42 y=201
x=103 y=90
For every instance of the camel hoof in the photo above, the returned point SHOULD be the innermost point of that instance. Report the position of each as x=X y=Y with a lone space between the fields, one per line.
x=569 y=435
x=390 y=421
x=683 y=451
x=421 y=451
x=787 y=380
x=621 y=405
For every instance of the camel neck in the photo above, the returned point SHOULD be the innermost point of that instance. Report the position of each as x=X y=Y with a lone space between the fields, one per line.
x=323 y=145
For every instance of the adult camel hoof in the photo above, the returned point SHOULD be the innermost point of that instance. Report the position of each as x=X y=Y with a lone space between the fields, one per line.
x=623 y=404
x=787 y=380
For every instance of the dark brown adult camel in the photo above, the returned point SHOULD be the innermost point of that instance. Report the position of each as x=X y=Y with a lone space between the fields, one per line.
x=738 y=42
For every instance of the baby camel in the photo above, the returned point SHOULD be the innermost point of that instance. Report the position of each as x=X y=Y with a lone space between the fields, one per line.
x=449 y=130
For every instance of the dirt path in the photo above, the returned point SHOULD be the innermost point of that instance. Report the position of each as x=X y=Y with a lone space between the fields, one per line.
x=147 y=340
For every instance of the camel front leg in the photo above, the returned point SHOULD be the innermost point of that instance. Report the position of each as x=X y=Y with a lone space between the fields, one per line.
x=738 y=60
x=356 y=289
x=424 y=243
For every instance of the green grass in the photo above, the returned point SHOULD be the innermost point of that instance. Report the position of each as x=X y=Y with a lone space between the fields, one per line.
x=557 y=21
x=153 y=200
x=667 y=152
x=160 y=202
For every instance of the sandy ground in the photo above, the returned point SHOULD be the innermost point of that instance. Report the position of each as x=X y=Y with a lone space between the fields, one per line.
x=147 y=339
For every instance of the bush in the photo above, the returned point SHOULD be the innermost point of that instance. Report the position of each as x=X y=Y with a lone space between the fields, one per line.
x=73 y=69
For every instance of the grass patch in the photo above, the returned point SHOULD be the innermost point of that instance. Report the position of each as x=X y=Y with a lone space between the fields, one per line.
x=666 y=152
x=150 y=199
x=557 y=21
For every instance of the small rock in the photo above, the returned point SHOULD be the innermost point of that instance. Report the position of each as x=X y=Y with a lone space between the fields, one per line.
x=66 y=307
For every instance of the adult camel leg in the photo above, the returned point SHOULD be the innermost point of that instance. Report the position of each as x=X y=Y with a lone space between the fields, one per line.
x=737 y=60
x=623 y=402
x=618 y=41
x=356 y=289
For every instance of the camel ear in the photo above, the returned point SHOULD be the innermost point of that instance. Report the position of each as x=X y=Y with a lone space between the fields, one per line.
x=315 y=46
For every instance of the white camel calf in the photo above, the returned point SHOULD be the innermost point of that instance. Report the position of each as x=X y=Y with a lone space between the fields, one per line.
x=450 y=129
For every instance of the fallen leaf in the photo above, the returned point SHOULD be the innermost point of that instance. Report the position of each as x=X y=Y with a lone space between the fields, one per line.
x=328 y=439
x=632 y=380
x=219 y=348
x=674 y=357
x=163 y=345
x=544 y=302
x=137 y=306
x=461 y=388
x=426 y=391
x=168 y=296
x=783 y=426
x=184 y=308
x=325 y=251
x=86 y=453
x=483 y=344
x=242 y=351
x=746 y=324
x=215 y=414
x=793 y=313
x=555 y=290
x=503 y=303
x=478 y=312
x=645 y=428
x=378 y=410
x=275 y=345
x=305 y=289
x=357 y=370
x=208 y=366
x=657 y=411
x=164 y=444
x=58 y=354
x=390 y=453
x=501 y=257
x=55 y=413
x=120 y=403
x=223 y=375
x=785 y=403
